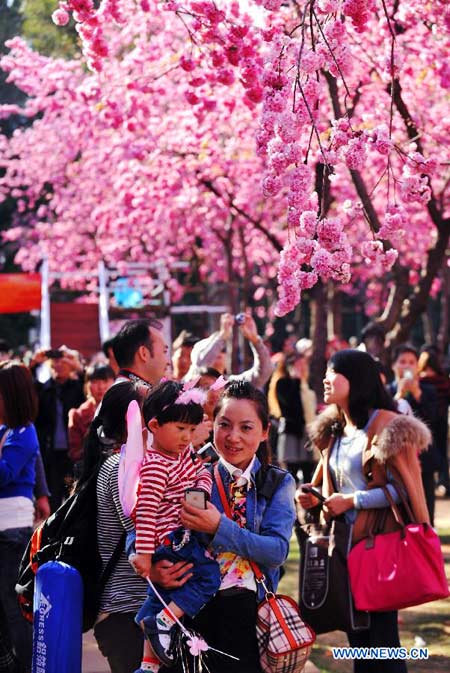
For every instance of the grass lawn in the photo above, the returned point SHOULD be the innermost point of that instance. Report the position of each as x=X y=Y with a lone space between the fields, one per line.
x=430 y=622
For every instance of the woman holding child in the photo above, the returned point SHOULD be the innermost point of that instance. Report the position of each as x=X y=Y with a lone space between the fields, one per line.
x=262 y=505
x=263 y=513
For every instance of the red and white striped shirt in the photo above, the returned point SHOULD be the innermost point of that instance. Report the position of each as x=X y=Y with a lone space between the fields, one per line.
x=163 y=481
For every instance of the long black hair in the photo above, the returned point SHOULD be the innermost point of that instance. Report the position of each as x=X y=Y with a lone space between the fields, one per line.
x=108 y=430
x=366 y=388
x=242 y=390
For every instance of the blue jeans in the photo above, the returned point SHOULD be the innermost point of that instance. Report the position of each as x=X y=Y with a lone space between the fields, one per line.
x=197 y=591
x=12 y=546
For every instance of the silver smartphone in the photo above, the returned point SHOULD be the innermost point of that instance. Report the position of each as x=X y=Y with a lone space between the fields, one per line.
x=195 y=497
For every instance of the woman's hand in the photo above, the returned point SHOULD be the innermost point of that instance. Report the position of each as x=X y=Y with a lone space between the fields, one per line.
x=338 y=503
x=202 y=520
x=306 y=500
x=249 y=329
x=202 y=432
x=170 y=575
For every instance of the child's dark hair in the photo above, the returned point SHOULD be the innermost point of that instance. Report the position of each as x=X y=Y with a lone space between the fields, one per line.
x=242 y=390
x=160 y=404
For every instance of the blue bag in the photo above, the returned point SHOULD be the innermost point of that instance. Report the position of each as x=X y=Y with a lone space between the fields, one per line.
x=57 y=619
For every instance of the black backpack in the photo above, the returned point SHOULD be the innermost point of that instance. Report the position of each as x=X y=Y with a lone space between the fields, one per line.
x=70 y=535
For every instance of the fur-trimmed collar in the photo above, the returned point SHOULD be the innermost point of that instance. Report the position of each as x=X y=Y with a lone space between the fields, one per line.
x=398 y=432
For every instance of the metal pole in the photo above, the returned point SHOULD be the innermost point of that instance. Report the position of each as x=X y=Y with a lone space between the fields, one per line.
x=45 y=336
x=103 y=302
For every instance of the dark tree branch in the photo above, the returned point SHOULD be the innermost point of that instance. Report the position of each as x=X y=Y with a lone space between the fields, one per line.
x=397 y=295
x=238 y=211
x=357 y=179
x=412 y=131
x=366 y=201
x=417 y=302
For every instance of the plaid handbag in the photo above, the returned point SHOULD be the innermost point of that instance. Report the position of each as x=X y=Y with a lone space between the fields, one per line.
x=284 y=640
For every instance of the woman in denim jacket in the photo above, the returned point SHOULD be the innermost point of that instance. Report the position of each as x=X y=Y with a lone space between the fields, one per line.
x=262 y=505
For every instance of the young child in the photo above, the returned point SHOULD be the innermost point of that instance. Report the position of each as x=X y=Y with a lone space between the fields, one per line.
x=170 y=467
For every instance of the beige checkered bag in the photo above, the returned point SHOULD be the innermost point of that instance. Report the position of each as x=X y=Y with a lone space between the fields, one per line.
x=284 y=640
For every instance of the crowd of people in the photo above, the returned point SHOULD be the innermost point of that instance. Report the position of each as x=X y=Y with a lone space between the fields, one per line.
x=59 y=417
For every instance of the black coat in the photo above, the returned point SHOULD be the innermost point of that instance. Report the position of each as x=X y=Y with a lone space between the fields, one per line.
x=71 y=394
x=427 y=411
x=288 y=395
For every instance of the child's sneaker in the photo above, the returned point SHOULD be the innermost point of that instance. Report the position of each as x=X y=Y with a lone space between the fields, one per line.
x=161 y=639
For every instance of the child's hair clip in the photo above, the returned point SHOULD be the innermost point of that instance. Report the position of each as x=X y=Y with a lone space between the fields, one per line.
x=220 y=383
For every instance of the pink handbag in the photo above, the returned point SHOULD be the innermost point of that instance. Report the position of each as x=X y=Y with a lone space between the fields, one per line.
x=391 y=571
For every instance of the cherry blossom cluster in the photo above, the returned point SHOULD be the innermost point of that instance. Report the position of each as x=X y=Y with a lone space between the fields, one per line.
x=208 y=117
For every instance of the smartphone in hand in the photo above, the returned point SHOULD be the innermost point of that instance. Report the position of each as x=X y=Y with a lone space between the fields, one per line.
x=208 y=451
x=313 y=491
x=195 y=497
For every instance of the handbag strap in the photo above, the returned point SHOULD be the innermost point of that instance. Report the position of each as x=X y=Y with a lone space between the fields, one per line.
x=259 y=575
x=404 y=499
x=393 y=505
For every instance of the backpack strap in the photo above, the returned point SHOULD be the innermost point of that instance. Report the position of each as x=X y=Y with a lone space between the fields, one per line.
x=113 y=559
x=268 y=479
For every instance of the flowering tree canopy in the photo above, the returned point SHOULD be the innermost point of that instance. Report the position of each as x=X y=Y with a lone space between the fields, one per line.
x=317 y=128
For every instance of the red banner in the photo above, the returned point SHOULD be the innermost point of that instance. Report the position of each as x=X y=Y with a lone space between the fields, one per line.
x=20 y=292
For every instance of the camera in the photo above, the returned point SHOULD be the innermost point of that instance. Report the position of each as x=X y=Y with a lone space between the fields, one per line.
x=54 y=354
x=408 y=375
x=240 y=318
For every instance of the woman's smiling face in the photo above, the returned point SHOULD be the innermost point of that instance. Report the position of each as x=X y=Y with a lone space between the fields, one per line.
x=336 y=388
x=238 y=432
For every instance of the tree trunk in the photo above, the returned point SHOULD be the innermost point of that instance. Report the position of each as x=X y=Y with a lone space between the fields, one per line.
x=319 y=309
x=416 y=303
x=428 y=329
x=334 y=318
x=443 y=336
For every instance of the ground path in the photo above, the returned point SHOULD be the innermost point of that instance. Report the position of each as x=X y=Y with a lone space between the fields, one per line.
x=430 y=620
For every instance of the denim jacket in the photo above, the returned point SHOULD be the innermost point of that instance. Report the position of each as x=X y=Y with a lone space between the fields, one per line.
x=265 y=539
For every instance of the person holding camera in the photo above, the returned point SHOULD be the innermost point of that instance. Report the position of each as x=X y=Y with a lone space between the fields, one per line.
x=211 y=352
x=170 y=473
x=60 y=393
x=98 y=379
x=422 y=400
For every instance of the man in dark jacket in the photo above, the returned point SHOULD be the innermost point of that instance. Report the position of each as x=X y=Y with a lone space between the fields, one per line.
x=422 y=399
x=62 y=392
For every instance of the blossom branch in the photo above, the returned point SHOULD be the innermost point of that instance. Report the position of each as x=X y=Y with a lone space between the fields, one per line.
x=236 y=209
